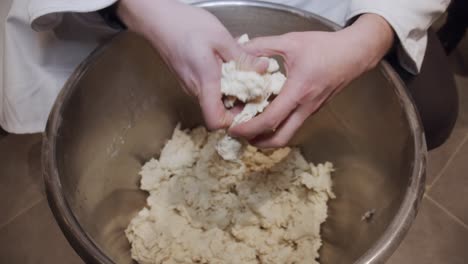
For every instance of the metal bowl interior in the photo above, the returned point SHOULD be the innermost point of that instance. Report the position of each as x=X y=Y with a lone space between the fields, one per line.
x=122 y=103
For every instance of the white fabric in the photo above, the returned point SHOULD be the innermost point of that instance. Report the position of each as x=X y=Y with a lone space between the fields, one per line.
x=44 y=41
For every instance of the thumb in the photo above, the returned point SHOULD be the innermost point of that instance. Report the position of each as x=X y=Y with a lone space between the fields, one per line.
x=247 y=62
x=267 y=46
x=244 y=61
x=215 y=114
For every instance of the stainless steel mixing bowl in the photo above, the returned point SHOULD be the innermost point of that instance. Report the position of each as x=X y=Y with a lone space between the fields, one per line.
x=122 y=103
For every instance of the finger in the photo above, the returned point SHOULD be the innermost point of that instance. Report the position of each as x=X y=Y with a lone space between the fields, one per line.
x=231 y=51
x=288 y=128
x=267 y=46
x=236 y=109
x=273 y=116
x=246 y=62
x=207 y=80
x=214 y=113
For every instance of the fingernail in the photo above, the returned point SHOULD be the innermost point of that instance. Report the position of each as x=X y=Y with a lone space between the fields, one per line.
x=261 y=64
x=227 y=120
x=231 y=132
x=263 y=59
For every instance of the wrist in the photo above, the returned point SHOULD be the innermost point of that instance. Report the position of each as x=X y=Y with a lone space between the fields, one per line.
x=124 y=12
x=372 y=38
x=109 y=14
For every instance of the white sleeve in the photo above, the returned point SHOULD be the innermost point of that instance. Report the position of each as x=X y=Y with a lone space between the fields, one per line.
x=410 y=20
x=46 y=14
x=36 y=64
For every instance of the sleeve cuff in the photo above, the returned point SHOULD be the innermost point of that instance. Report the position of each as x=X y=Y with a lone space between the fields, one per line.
x=45 y=15
x=412 y=42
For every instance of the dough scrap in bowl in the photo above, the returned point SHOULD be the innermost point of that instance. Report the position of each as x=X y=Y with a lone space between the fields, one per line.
x=266 y=207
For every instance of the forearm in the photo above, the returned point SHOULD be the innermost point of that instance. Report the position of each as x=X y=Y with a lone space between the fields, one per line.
x=140 y=16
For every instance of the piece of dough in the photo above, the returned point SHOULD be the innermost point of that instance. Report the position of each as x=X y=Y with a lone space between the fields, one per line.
x=267 y=207
x=251 y=88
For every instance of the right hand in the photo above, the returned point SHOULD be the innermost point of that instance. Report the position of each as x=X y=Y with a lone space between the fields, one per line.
x=318 y=65
x=194 y=44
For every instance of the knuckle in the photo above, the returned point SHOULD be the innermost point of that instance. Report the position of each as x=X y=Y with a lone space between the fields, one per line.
x=210 y=79
x=294 y=41
x=270 y=125
x=190 y=85
x=214 y=122
x=278 y=142
x=212 y=125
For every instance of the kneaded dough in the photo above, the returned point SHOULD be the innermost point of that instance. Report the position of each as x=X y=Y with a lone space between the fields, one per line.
x=251 y=88
x=229 y=148
x=266 y=207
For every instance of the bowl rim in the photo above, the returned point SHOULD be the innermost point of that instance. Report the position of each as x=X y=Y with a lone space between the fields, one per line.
x=89 y=250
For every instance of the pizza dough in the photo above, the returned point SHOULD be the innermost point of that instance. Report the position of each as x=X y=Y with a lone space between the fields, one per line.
x=252 y=89
x=266 y=207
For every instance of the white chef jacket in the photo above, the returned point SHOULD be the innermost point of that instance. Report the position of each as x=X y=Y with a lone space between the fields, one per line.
x=44 y=40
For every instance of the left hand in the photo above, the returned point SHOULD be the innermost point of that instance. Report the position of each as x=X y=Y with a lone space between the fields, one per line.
x=194 y=44
x=318 y=65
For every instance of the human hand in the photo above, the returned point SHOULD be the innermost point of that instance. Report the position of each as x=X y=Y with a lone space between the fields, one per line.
x=318 y=65
x=194 y=44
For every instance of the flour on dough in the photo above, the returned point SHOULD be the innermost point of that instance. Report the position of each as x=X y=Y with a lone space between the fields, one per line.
x=251 y=88
x=267 y=207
